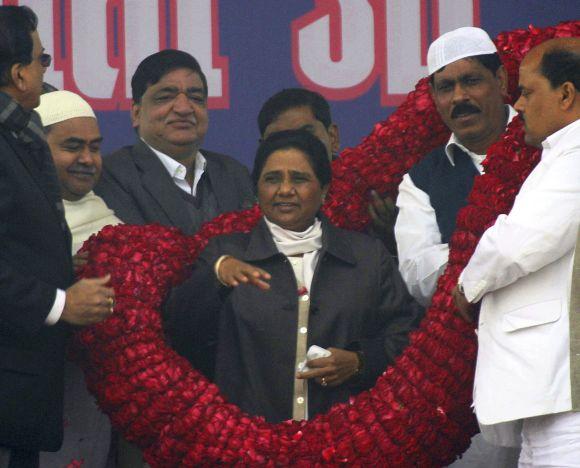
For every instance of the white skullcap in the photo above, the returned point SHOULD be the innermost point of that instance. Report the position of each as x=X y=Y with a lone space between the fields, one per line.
x=62 y=105
x=458 y=44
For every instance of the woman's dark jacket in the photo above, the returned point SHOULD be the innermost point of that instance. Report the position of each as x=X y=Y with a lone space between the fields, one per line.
x=358 y=302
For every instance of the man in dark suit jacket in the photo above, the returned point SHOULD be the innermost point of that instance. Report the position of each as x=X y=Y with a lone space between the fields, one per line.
x=165 y=177
x=37 y=301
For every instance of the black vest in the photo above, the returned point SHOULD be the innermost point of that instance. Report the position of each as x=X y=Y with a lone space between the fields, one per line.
x=447 y=186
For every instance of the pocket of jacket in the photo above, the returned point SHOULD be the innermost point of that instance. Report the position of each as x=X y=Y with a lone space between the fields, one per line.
x=532 y=315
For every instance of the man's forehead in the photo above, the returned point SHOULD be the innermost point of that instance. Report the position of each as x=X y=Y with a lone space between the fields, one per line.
x=460 y=67
x=531 y=61
x=295 y=115
x=178 y=78
x=36 y=42
x=82 y=127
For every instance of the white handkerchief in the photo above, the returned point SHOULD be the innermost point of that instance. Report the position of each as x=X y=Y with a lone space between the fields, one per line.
x=314 y=352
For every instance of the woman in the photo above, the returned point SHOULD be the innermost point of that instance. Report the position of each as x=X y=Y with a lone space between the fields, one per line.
x=292 y=282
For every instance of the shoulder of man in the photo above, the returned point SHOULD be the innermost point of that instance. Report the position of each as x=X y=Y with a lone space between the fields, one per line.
x=226 y=169
x=121 y=163
x=222 y=159
x=422 y=172
x=430 y=160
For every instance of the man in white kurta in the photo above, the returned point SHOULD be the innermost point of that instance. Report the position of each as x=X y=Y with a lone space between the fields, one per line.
x=468 y=86
x=74 y=139
x=521 y=271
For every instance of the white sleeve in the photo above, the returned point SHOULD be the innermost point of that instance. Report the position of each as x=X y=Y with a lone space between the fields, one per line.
x=541 y=228
x=57 y=308
x=422 y=256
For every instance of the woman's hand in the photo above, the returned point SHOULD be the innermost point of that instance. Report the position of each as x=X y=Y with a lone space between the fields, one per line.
x=333 y=370
x=233 y=272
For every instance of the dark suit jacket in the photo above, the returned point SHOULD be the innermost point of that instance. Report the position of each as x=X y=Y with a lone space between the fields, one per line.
x=138 y=188
x=34 y=261
x=358 y=301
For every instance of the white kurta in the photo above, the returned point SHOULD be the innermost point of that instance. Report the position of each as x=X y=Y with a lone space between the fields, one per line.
x=86 y=217
x=422 y=255
x=522 y=269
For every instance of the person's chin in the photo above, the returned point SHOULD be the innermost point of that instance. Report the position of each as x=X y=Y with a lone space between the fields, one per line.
x=470 y=131
x=286 y=221
x=82 y=189
x=184 y=138
x=466 y=122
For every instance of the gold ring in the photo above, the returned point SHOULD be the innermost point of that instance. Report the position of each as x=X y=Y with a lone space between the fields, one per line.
x=323 y=382
x=111 y=303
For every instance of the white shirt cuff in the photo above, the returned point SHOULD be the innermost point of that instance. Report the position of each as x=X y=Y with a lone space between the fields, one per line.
x=57 y=308
x=473 y=290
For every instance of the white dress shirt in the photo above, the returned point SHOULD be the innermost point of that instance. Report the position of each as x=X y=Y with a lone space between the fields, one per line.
x=178 y=171
x=422 y=255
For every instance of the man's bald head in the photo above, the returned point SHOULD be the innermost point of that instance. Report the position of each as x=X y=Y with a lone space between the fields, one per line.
x=550 y=88
x=558 y=60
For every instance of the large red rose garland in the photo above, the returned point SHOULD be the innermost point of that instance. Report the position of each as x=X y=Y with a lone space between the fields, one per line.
x=418 y=414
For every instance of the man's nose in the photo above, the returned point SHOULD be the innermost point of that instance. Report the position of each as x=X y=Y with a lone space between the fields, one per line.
x=182 y=104
x=85 y=156
x=459 y=93
x=519 y=105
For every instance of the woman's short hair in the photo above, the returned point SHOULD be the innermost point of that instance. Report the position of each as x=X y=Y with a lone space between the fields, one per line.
x=301 y=140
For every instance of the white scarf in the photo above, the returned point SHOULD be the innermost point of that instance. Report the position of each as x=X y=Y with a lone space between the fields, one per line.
x=307 y=243
x=87 y=216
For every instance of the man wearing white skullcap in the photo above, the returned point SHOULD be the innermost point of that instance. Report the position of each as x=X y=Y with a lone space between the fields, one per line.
x=72 y=132
x=73 y=135
x=468 y=86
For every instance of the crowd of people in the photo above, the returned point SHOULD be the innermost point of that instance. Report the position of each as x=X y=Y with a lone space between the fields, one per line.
x=297 y=314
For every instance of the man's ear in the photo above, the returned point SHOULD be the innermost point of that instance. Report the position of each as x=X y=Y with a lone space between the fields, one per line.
x=334 y=138
x=17 y=72
x=502 y=77
x=135 y=114
x=569 y=96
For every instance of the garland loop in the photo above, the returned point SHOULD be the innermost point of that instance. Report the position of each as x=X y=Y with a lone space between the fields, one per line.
x=418 y=414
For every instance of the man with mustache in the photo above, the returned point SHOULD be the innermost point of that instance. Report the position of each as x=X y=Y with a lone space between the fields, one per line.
x=527 y=377
x=73 y=135
x=165 y=177
x=468 y=86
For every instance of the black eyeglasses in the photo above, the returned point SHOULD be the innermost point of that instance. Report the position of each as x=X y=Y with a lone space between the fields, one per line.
x=45 y=60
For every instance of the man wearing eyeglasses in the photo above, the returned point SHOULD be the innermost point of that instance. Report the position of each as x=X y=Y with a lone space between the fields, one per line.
x=38 y=300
